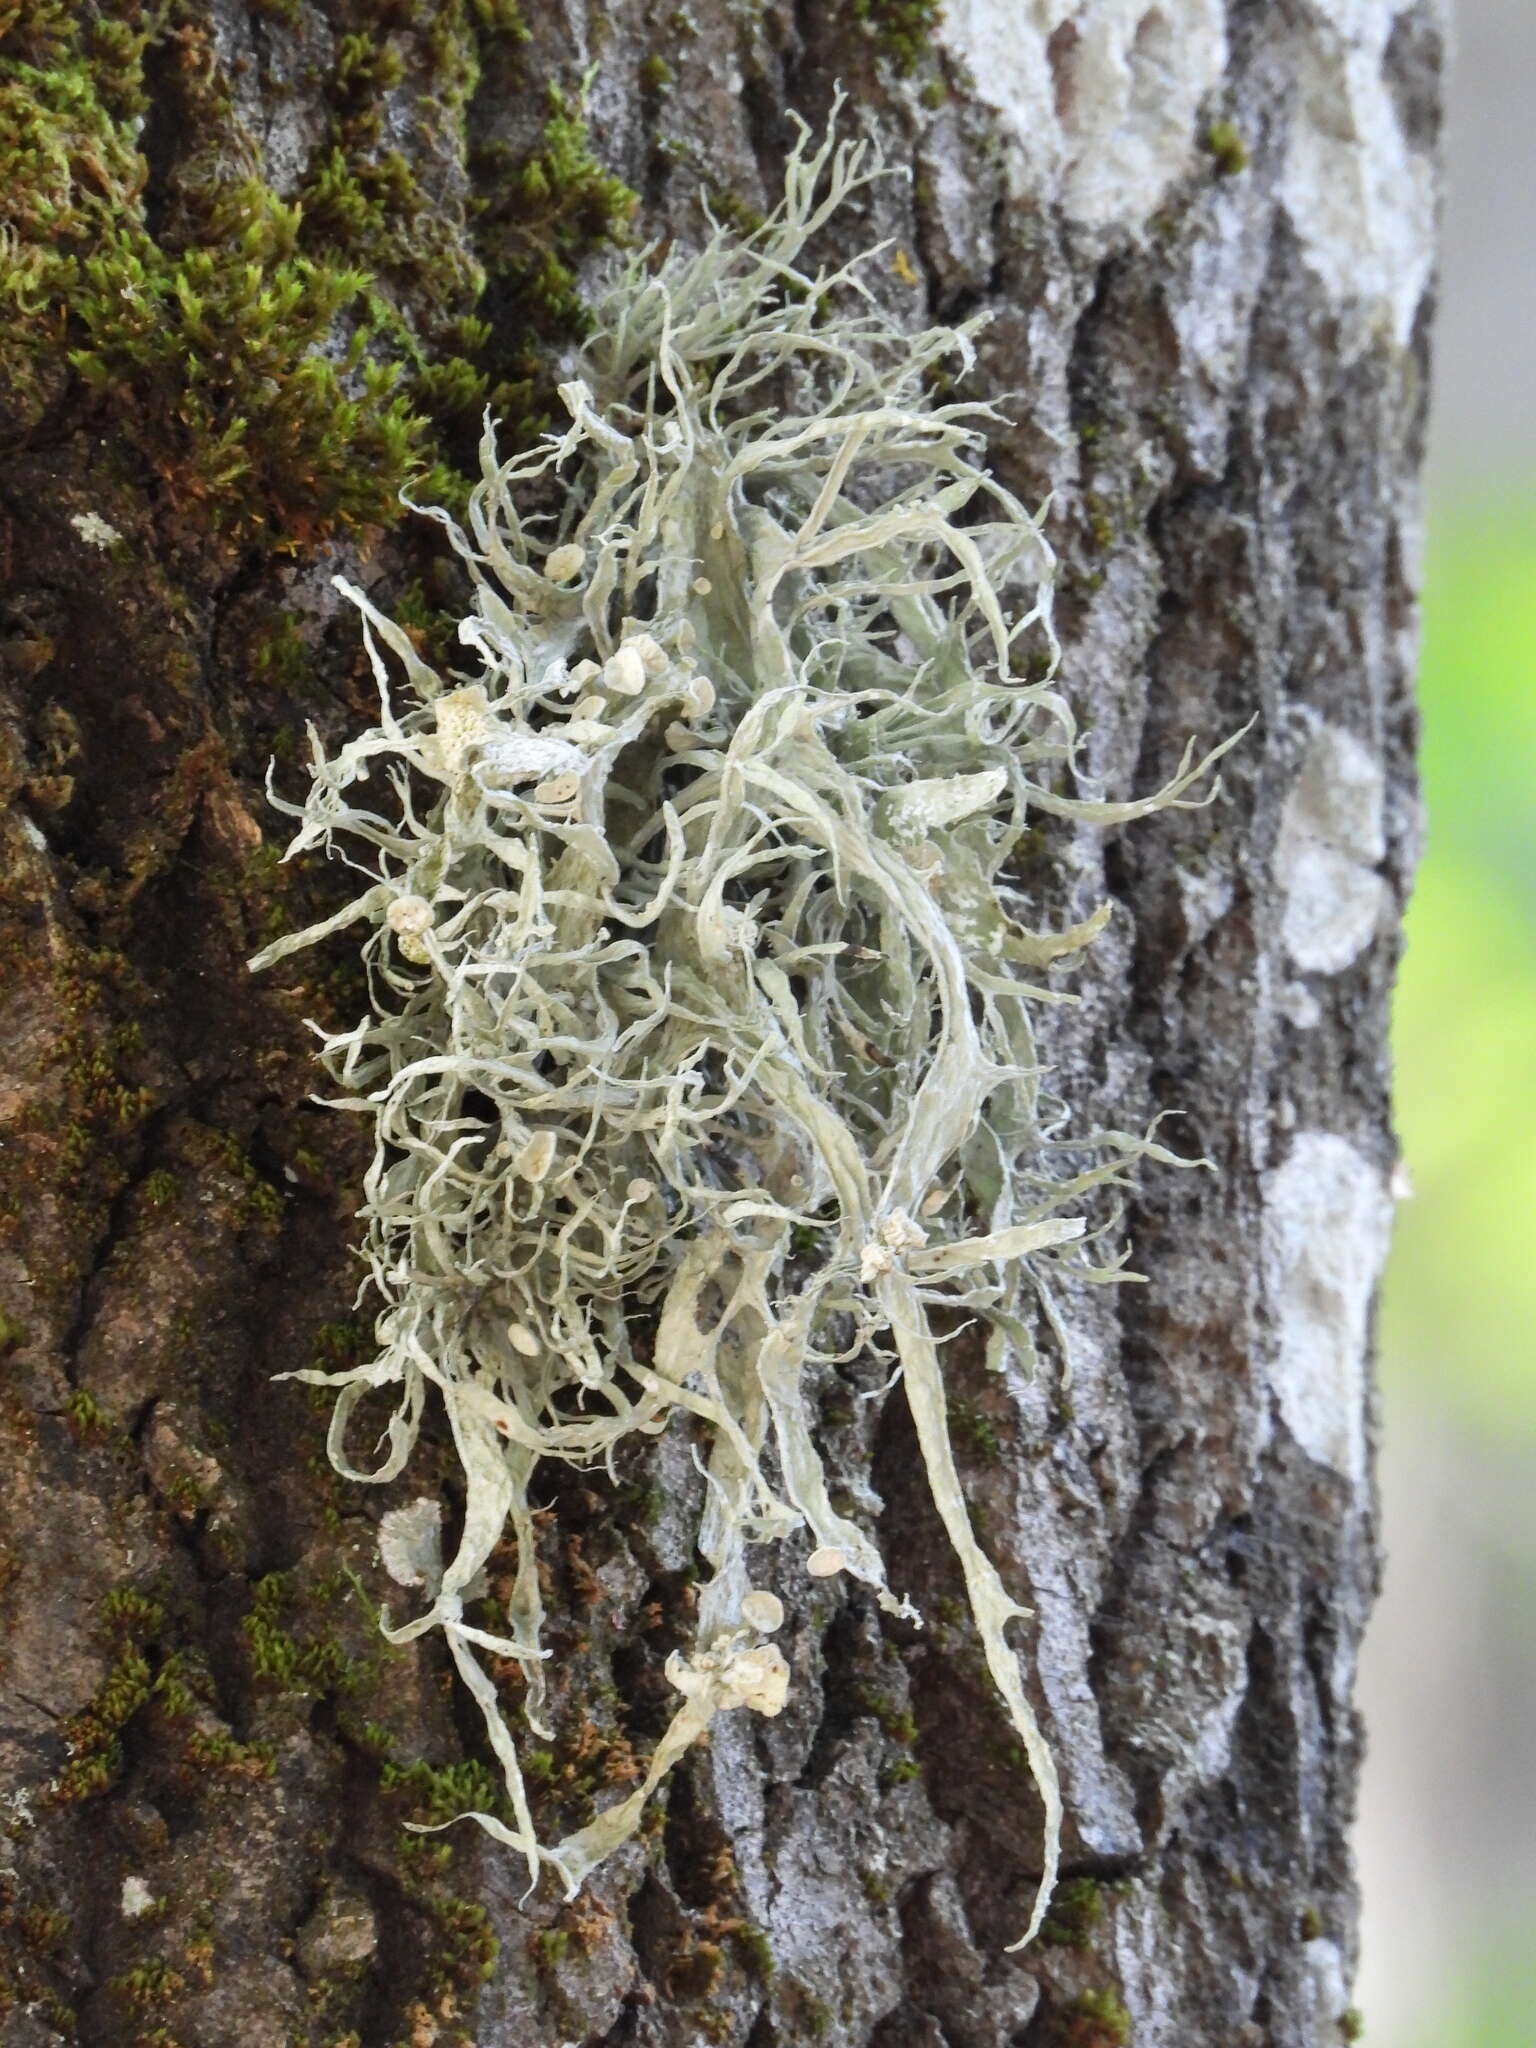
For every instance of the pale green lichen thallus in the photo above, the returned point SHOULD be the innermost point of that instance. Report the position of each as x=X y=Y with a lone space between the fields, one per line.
x=700 y=1045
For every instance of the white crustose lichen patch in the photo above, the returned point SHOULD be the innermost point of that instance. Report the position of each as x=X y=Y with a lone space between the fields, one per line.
x=1327 y=1224
x=1100 y=98
x=698 y=970
x=95 y=531
x=1359 y=189
x=1330 y=845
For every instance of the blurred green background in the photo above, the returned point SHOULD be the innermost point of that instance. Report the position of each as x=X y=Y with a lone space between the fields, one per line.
x=1459 y=1319
x=1447 y=1834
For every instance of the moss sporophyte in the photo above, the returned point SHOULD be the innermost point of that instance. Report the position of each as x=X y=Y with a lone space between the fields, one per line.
x=700 y=1050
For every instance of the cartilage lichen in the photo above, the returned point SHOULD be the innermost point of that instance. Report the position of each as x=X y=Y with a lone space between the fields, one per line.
x=700 y=1048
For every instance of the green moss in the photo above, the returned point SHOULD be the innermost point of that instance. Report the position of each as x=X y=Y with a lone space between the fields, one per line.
x=367 y=206
x=284 y=1660
x=1352 y=2024
x=148 y=1988
x=259 y=1205
x=160 y=1188
x=539 y=215
x=440 y=1793
x=184 y=1495
x=806 y=1240
x=203 y=349
x=1100 y=523
x=469 y=1949
x=221 y=1756
x=339 y=1345
x=1096 y=2019
x=98 y=1087
x=177 y=1691
x=423 y=1858
x=643 y=1502
x=209 y=360
x=237 y=348
x=12 y=1333
x=263 y=1204
x=93 y=1736
x=548 y=1948
x=1075 y=1910
x=366 y=69
x=895 y=1721
x=130 y=1620
x=1226 y=145
x=43 y=1928
x=97 y=1102
x=970 y=1426
x=371 y=1737
x=126 y=1613
x=902 y=30
x=282 y=660
x=501 y=18
x=88 y=1420
x=756 y=1951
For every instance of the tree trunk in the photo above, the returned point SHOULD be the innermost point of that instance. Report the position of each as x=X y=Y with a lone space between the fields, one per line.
x=1204 y=233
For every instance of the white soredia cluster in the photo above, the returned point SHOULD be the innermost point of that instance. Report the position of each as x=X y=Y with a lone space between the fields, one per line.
x=700 y=1048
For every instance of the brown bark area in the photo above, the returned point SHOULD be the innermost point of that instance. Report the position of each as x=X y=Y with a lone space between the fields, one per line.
x=196 y=1702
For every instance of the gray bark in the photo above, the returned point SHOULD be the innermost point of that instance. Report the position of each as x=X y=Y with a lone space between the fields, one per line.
x=1205 y=238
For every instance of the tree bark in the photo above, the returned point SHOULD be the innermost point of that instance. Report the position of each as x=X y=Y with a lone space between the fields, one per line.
x=1204 y=234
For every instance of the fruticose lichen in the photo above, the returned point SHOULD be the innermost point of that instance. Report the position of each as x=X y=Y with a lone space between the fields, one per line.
x=700 y=1050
